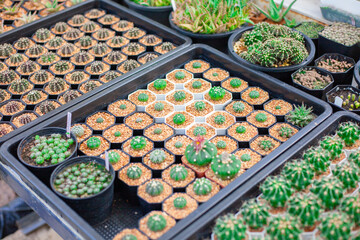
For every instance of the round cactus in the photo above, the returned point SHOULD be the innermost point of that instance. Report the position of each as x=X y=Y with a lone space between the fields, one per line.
x=229 y=227
x=349 y=132
x=134 y=32
x=157 y=131
x=299 y=174
x=78 y=130
x=154 y=188
x=23 y=43
x=221 y=144
x=100 y=48
x=202 y=186
x=334 y=145
x=329 y=190
x=157 y=156
x=199 y=131
x=7 y=76
x=226 y=166
x=5 y=50
x=133 y=47
x=57 y=85
x=55 y=43
x=94 y=13
x=284 y=227
x=199 y=106
x=138 y=143
x=245 y=157
x=255 y=215
x=3 y=95
x=28 y=67
x=178 y=173
x=200 y=152
x=348 y=174
x=196 y=65
x=129 y=237
x=159 y=106
x=102 y=33
x=85 y=41
x=179 y=202
x=78 y=19
x=178 y=144
x=108 y=18
x=122 y=106
x=97 y=67
x=167 y=46
x=318 y=158
x=254 y=94
x=61 y=27
x=12 y=107
x=143 y=97
x=16 y=58
x=70 y=95
x=160 y=84
x=351 y=206
x=150 y=39
x=115 y=56
x=48 y=57
x=82 y=57
x=285 y=132
x=235 y=83
x=93 y=143
x=62 y=66
x=42 y=34
x=196 y=84
x=130 y=64
x=355 y=158
x=179 y=96
x=179 y=119
x=117 y=134
x=123 y=24
x=134 y=172
x=217 y=93
x=73 y=33
x=276 y=190
x=25 y=119
x=90 y=85
x=19 y=85
x=266 y=145
x=336 y=225
x=46 y=107
x=261 y=117
x=149 y=57
x=219 y=119
x=77 y=76
x=114 y=157
x=89 y=26
x=238 y=107
x=156 y=223
x=67 y=49
x=117 y=40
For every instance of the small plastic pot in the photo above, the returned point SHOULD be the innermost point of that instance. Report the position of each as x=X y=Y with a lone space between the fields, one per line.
x=95 y=208
x=340 y=78
x=339 y=88
x=44 y=173
x=282 y=73
x=159 y=14
x=319 y=93
x=357 y=73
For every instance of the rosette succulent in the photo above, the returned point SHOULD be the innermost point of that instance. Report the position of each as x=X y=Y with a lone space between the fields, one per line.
x=300 y=116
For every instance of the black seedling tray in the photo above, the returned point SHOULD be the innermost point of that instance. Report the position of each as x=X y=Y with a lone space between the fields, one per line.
x=124 y=214
x=202 y=227
x=150 y=26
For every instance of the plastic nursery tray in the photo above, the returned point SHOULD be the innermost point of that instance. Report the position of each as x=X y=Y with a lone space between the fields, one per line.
x=125 y=215
x=202 y=227
x=140 y=21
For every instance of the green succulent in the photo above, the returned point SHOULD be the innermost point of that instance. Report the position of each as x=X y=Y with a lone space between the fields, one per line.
x=284 y=227
x=179 y=119
x=178 y=173
x=336 y=225
x=202 y=186
x=300 y=116
x=199 y=106
x=255 y=215
x=299 y=174
x=318 y=158
x=160 y=84
x=179 y=202
x=329 y=190
x=93 y=143
x=138 y=143
x=225 y=166
x=349 y=132
x=154 y=188
x=229 y=227
x=348 y=174
x=200 y=152
x=217 y=93
x=276 y=190
x=156 y=223
x=199 y=131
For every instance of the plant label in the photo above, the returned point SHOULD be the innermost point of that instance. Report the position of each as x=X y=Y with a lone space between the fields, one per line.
x=68 y=125
x=107 y=160
x=338 y=101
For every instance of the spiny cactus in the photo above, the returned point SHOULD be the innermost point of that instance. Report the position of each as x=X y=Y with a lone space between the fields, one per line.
x=179 y=202
x=179 y=96
x=334 y=145
x=138 y=143
x=19 y=85
x=55 y=42
x=130 y=64
x=28 y=67
x=217 y=93
x=108 y=18
x=329 y=190
x=94 y=13
x=160 y=84
x=102 y=33
x=178 y=173
x=167 y=46
x=57 y=85
x=42 y=34
x=285 y=132
x=62 y=66
x=349 y=132
x=261 y=117
x=82 y=57
x=221 y=144
x=284 y=227
x=70 y=95
x=276 y=190
x=23 y=43
x=299 y=174
x=72 y=33
x=24 y=119
x=199 y=106
x=348 y=174
x=134 y=172
x=154 y=188
x=115 y=56
x=41 y=76
x=85 y=41
x=78 y=19
x=16 y=58
x=149 y=57
x=117 y=40
x=355 y=158
x=93 y=143
x=336 y=225
x=157 y=156
x=61 y=27
x=12 y=107
x=114 y=157
x=219 y=119
x=5 y=50
x=7 y=76
x=123 y=24
x=48 y=57
x=196 y=85
x=351 y=206
x=33 y=96
x=3 y=95
x=255 y=215
x=133 y=32
x=133 y=47
x=97 y=67
x=156 y=223
x=100 y=48
x=67 y=49
x=89 y=86
x=319 y=158
x=78 y=130
x=202 y=186
x=111 y=75
x=229 y=227
x=300 y=116
x=199 y=131
x=200 y=152
x=150 y=39
x=266 y=145
x=89 y=26
x=225 y=166
x=35 y=50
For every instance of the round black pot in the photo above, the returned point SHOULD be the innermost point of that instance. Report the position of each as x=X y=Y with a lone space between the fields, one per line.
x=337 y=108
x=159 y=14
x=44 y=173
x=282 y=73
x=217 y=40
x=319 y=93
x=95 y=208
x=357 y=73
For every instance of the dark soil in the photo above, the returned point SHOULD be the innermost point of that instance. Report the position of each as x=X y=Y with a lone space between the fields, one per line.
x=349 y=103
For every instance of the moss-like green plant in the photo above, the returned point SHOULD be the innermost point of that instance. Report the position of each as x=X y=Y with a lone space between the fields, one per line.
x=255 y=215
x=329 y=190
x=229 y=227
x=276 y=190
x=299 y=173
x=300 y=116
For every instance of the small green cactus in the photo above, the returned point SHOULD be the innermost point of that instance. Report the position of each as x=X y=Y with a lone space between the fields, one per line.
x=150 y=39
x=178 y=144
x=245 y=157
x=57 y=85
x=217 y=93
x=199 y=131
x=240 y=129
x=90 y=85
x=300 y=116
x=156 y=223
x=261 y=117
x=61 y=27
x=93 y=143
x=334 y=145
x=130 y=64
x=349 y=132
x=82 y=57
x=351 y=206
x=179 y=202
x=157 y=131
x=299 y=174
x=78 y=130
x=85 y=41
x=226 y=166
x=180 y=75
x=25 y=119
x=16 y=58
x=46 y=106
x=179 y=119
x=3 y=95
x=160 y=84
x=19 y=85
x=23 y=43
x=28 y=67
x=41 y=76
x=12 y=107
x=200 y=152
x=318 y=158
x=157 y=156
x=42 y=34
x=167 y=46
x=67 y=49
x=276 y=190
x=134 y=172
x=72 y=33
x=35 y=50
x=219 y=119
x=133 y=32
x=89 y=26
x=7 y=76
x=229 y=227
x=254 y=94
x=255 y=215
x=143 y=97
x=62 y=66
x=348 y=174
x=266 y=145
x=179 y=96
x=238 y=107
x=111 y=75
x=5 y=50
x=114 y=157
x=70 y=95
x=133 y=47
x=97 y=67
x=117 y=40
x=138 y=143
x=159 y=106
x=235 y=83
x=336 y=225
x=48 y=57
x=102 y=33
x=284 y=227
x=78 y=19
x=196 y=84
x=178 y=173
x=154 y=188
x=202 y=186
x=329 y=190
x=285 y=132
x=355 y=158
x=54 y=43
x=221 y=144
x=123 y=24
x=199 y=106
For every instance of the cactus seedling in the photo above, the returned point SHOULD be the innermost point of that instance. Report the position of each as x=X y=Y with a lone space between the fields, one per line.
x=238 y=107
x=226 y=166
x=334 y=145
x=82 y=57
x=199 y=131
x=179 y=119
x=199 y=106
x=329 y=190
x=167 y=46
x=70 y=95
x=300 y=116
x=42 y=34
x=336 y=225
x=256 y=215
x=261 y=117
x=156 y=223
x=78 y=130
x=200 y=152
x=266 y=145
x=19 y=85
x=35 y=50
x=202 y=186
x=54 y=43
x=3 y=95
x=25 y=119
x=157 y=131
x=57 y=85
x=179 y=96
x=221 y=144
x=61 y=66
x=72 y=33
x=111 y=75
x=196 y=84
x=349 y=132
x=284 y=227
x=85 y=41
x=100 y=49
x=154 y=188
x=229 y=227
x=134 y=172
x=178 y=173
x=299 y=174
x=93 y=143
x=28 y=67
x=254 y=94
x=23 y=43
x=5 y=50
x=235 y=83
x=348 y=174
x=285 y=132
x=48 y=57
x=219 y=119
x=97 y=67
x=157 y=156
x=114 y=157
x=355 y=158
x=130 y=64
x=67 y=49
x=143 y=97
x=61 y=27
x=351 y=206
x=217 y=93
x=318 y=158
x=241 y=129
x=138 y=143
x=276 y=190
x=46 y=106
x=159 y=106
x=178 y=144
x=7 y=76
x=12 y=107
x=179 y=202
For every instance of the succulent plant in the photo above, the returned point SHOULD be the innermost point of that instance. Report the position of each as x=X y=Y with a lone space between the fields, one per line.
x=19 y=85
x=299 y=174
x=28 y=67
x=55 y=42
x=85 y=41
x=336 y=225
x=114 y=157
x=221 y=144
x=254 y=94
x=179 y=202
x=179 y=119
x=133 y=47
x=351 y=206
x=235 y=83
x=179 y=75
x=97 y=67
x=46 y=106
x=348 y=174
x=150 y=39
x=67 y=49
x=115 y=56
x=160 y=84
x=78 y=19
x=62 y=66
x=245 y=157
x=3 y=95
x=343 y=33
x=266 y=145
x=94 y=13
x=117 y=40
x=276 y=190
x=130 y=64
x=255 y=215
x=70 y=95
x=42 y=34
x=134 y=172
x=138 y=143
x=199 y=131
x=48 y=57
x=108 y=18
x=311 y=29
x=178 y=173
x=89 y=26
x=167 y=46
x=93 y=143
x=229 y=227
x=200 y=152
x=78 y=130
x=318 y=158
x=61 y=27
x=122 y=24
x=41 y=76
x=199 y=106
x=100 y=48
x=329 y=190
x=154 y=188
x=179 y=96
x=156 y=223
x=202 y=186
x=89 y=86
x=16 y=58
x=284 y=227
x=82 y=57
x=349 y=132
x=196 y=84
x=102 y=33
x=143 y=97
x=5 y=50
x=23 y=43
x=111 y=75
x=219 y=119
x=25 y=119
x=261 y=117
x=12 y=107
x=285 y=132
x=217 y=93
x=159 y=106
x=354 y=157
x=334 y=145
x=178 y=144
x=149 y=57
x=158 y=131
x=157 y=156
x=225 y=166
x=57 y=85
x=7 y=76
x=300 y=116
x=133 y=32
x=73 y=33
x=238 y=107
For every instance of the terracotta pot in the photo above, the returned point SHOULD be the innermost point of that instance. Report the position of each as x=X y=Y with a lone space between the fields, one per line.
x=257 y=19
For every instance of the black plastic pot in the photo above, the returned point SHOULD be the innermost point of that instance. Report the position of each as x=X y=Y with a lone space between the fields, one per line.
x=337 y=108
x=282 y=73
x=340 y=78
x=319 y=93
x=357 y=73
x=159 y=14
x=44 y=173
x=96 y=208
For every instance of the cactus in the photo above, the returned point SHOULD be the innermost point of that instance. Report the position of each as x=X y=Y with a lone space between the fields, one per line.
x=97 y=67
x=159 y=106
x=199 y=131
x=156 y=223
x=99 y=120
x=143 y=97
x=57 y=85
x=78 y=130
x=318 y=158
x=199 y=106
x=329 y=190
x=157 y=131
x=167 y=46
x=221 y=144
x=299 y=174
x=16 y=58
x=89 y=26
x=130 y=64
x=334 y=145
x=114 y=157
x=73 y=33
x=19 y=85
x=5 y=50
x=48 y=57
x=254 y=94
x=349 y=132
x=102 y=33
x=266 y=145
x=23 y=43
x=138 y=143
x=133 y=32
x=67 y=49
x=179 y=202
x=276 y=190
x=94 y=12
x=336 y=225
x=200 y=152
x=89 y=86
x=235 y=83
x=111 y=75
x=229 y=227
x=225 y=166
x=117 y=40
x=46 y=107
x=154 y=188
x=122 y=106
x=306 y=208
x=245 y=157
x=157 y=156
x=241 y=129
x=160 y=84
x=61 y=27
x=179 y=96
x=355 y=158
x=28 y=67
x=134 y=172
x=55 y=42
x=351 y=206
x=178 y=144
x=70 y=95
x=93 y=143
x=179 y=119
x=285 y=132
x=217 y=93
x=149 y=57
x=108 y=18
x=178 y=173
x=100 y=48
x=42 y=34
x=62 y=66
x=196 y=85
x=284 y=227
x=238 y=107
x=12 y=107
x=82 y=57
x=123 y=24
x=348 y=174
x=202 y=186
x=41 y=76
x=115 y=56
x=3 y=95
x=78 y=19
x=85 y=41
x=255 y=215
x=25 y=119
x=300 y=116
x=261 y=117
x=133 y=47
x=150 y=39
x=7 y=76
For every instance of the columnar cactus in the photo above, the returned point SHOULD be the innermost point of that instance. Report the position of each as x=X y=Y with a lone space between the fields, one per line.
x=202 y=186
x=73 y=33
x=12 y=107
x=130 y=64
x=100 y=48
x=57 y=85
x=55 y=42
x=154 y=188
x=46 y=107
x=200 y=152
x=138 y=143
x=319 y=158
x=19 y=85
x=97 y=67
x=276 y=190
x=28 y=67
x=33 y=96
x=329 y=190
x=7 y=76
x=284 y=227
x=67 y=49
x=334 y=145
x=348 y=174
x=62 y=66
x=225 y=166
x=178 y=173
x=255 y=215
x=229 y=227
x=349 y=132
x=134 y=172
x=70 y=95
x=41 y=76
x=157 y=156
x=217 y=93
x=336 y=225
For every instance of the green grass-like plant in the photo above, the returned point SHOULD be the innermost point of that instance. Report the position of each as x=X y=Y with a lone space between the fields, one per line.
x=153 y=3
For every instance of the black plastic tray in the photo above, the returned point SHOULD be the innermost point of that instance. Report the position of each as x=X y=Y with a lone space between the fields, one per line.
x=66 y=222
x=202 y=227
x=151 y=26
